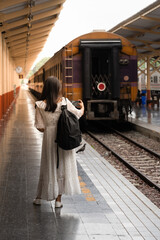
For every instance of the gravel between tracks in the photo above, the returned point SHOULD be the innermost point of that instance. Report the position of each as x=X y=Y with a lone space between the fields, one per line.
x=148 y=191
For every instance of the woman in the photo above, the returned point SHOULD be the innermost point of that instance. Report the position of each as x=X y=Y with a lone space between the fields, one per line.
x=53 y=181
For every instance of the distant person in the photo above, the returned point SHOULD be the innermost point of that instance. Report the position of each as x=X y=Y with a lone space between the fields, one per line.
x=139 y=97
x=53 y=181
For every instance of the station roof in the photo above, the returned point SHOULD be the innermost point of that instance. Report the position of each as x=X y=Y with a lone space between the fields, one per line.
x=143 y=30
x=26 y=25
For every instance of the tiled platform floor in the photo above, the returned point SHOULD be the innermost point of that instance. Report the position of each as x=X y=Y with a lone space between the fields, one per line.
x=147 y=114
x=147 y=120
x=109 y=208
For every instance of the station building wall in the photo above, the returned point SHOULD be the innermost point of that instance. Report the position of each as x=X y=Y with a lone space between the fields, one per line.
x=9 y=79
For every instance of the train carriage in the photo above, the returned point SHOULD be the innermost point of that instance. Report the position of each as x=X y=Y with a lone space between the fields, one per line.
x=98 y=67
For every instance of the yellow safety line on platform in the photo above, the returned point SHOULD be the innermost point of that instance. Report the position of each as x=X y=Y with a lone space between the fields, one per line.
x=88 y=195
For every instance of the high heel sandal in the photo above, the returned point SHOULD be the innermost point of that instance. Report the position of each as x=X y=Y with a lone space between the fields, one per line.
x=37 y=201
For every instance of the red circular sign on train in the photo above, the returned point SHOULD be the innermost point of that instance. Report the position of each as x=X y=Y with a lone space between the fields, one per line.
x=101 y=86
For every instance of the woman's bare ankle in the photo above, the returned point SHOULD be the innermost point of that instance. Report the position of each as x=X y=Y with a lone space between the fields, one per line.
x=58 y=199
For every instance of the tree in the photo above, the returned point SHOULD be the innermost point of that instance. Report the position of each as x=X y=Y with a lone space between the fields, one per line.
x=37 y=66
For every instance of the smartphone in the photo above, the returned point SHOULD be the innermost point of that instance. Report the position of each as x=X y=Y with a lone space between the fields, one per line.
x=76 y=103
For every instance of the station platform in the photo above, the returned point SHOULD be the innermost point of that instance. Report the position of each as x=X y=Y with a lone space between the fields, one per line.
x=109 y=207
x=146 y=119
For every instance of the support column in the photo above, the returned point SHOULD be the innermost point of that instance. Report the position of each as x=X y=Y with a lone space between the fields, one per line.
x=4 y=72
x=1 y=92
x=8 y=78
x=148 y=79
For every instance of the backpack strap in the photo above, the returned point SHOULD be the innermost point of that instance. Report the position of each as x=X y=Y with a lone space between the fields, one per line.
x=57 y=157
x=64 y=106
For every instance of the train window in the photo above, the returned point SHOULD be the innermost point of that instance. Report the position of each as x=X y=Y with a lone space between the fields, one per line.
x=36 y=79
x=52 y=71
x=61 y=67
x=41 y=78
x=58 y=70
x=155 y=79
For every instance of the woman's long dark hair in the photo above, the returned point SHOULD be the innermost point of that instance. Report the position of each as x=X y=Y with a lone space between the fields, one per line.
x=50 y=93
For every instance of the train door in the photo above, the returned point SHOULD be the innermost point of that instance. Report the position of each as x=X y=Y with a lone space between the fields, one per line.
x=101 y=73
x=101 y=78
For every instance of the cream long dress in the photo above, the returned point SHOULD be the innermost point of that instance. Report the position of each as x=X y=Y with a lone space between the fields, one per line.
x=53 y=181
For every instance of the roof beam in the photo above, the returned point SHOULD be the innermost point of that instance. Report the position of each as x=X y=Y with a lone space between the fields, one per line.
x=146 y=48
x=16 y=37
x=19 y=46
x=139 y=30
x=143 y=41
x=35 y=8
x=25 y=36
x=40 y=30
x=47 y=14
x=151 y=54
x=7 y=26
x=17 y=34
x=22 y=47
x=150 y=18
x=44 y=23
x=9 y=3
x=14 y=43
x=30 y=38
x=40 y=35
x=23 y=53
x=46 y=29
x=17 y=31
x=18 y=58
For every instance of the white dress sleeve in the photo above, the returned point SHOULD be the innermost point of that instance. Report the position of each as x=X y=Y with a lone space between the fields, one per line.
x=39 y=123
x=73 y=109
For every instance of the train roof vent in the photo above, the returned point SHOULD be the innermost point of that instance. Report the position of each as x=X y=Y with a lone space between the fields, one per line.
x=99 y=30
x=100 y=43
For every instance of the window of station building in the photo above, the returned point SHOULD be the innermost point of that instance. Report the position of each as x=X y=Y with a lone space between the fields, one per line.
x=155 y=79
x=151 y=79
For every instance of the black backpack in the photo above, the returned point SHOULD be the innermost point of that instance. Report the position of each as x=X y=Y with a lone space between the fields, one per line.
x=68 y=130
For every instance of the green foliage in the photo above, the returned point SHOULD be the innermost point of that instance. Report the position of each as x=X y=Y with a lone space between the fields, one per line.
x=37 y=66
x=142 y=64
x=30 y=74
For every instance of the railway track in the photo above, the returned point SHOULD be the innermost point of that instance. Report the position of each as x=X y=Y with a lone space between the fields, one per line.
x=144 y=162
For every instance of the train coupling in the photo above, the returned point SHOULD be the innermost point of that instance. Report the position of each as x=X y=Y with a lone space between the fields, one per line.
x=102 y=110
